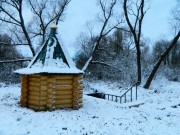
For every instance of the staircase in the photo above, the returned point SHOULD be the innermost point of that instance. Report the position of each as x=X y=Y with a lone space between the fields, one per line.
x=131 y=92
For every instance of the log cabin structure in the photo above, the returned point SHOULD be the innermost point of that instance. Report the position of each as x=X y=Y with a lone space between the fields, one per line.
x=51 y=80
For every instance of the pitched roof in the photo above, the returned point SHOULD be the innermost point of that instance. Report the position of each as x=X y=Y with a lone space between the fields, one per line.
x=51 y=58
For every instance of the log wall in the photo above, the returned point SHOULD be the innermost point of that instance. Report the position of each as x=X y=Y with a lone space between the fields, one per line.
x=49 y=92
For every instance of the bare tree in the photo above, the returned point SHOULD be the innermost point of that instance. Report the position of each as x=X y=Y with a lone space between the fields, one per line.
x=176 y=24
x=162 y=57
x=175 y=21
x=43 y=16
x=43 y=12
x=11 y=13
x=134 y=13
x=107 y=14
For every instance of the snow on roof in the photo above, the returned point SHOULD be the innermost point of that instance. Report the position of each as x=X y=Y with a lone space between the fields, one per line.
x=51 y=58
x=53 y=70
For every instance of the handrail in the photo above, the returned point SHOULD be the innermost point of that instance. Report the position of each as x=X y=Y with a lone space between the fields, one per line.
x=123 y=95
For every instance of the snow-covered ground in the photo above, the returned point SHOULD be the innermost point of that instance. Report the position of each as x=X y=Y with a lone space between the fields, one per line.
x=159 y=115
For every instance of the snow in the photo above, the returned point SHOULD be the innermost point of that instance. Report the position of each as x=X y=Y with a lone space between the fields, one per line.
x=158 y=115
x=51 y=65
x=49 y=54
x=49 y=69
x=68 y=58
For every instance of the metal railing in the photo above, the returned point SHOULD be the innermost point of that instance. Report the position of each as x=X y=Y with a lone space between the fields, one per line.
x=119 y=99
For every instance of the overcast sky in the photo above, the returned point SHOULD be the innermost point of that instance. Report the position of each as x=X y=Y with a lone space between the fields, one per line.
x=155 y=25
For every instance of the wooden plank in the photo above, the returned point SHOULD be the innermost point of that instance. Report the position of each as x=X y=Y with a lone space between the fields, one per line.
x=49 y=106
x=64 y=77
x=77 y=96
x=37 y=103
x=34 y=79
x=65 y=101
x=24 y=78
x=80 y=81
x=41 y=98
x=80 y=87
x=78 y=78
x=43 y=93
x=78 y=101
x=35 y=75
x=44 y=82
x=76 y=84
x=68 y=82
x=77 y=106
x=50 y=91
x=63 y=92
x=60 y=89
x=34 y=83
x=51 y=79
x=44 y=87
x=76 y=89
x=36 y=108
x=61 y=106
x=44 y=77
x=34 y=88
x=33 y=93
x=63 y=87
x=59 y=97
x=51 y=85
x=77 y=93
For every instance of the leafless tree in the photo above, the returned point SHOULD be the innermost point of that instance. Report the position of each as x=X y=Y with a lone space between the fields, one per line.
x=107 y=8
x=11 y=13
x=175 y=21
x=134 y=12
x=162 y=57
x=44 y=12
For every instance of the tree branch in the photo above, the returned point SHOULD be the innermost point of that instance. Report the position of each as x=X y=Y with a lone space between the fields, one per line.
x=18 y=60
x=104 y=64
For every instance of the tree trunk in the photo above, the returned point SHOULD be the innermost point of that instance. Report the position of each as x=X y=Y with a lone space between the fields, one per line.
x=135 y=29
x=138 y=64
x=24 y=29
x=163 y=56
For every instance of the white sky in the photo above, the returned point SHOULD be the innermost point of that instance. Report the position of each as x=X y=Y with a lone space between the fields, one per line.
x=155 y=25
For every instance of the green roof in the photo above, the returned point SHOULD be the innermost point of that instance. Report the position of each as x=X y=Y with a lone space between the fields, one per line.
x=51 y=58
x=51 y=50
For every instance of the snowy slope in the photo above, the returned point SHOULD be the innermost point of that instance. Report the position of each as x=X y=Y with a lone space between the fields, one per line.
x=159 y=115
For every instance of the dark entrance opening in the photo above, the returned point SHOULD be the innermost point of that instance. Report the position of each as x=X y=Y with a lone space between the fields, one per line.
x=97 y=95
